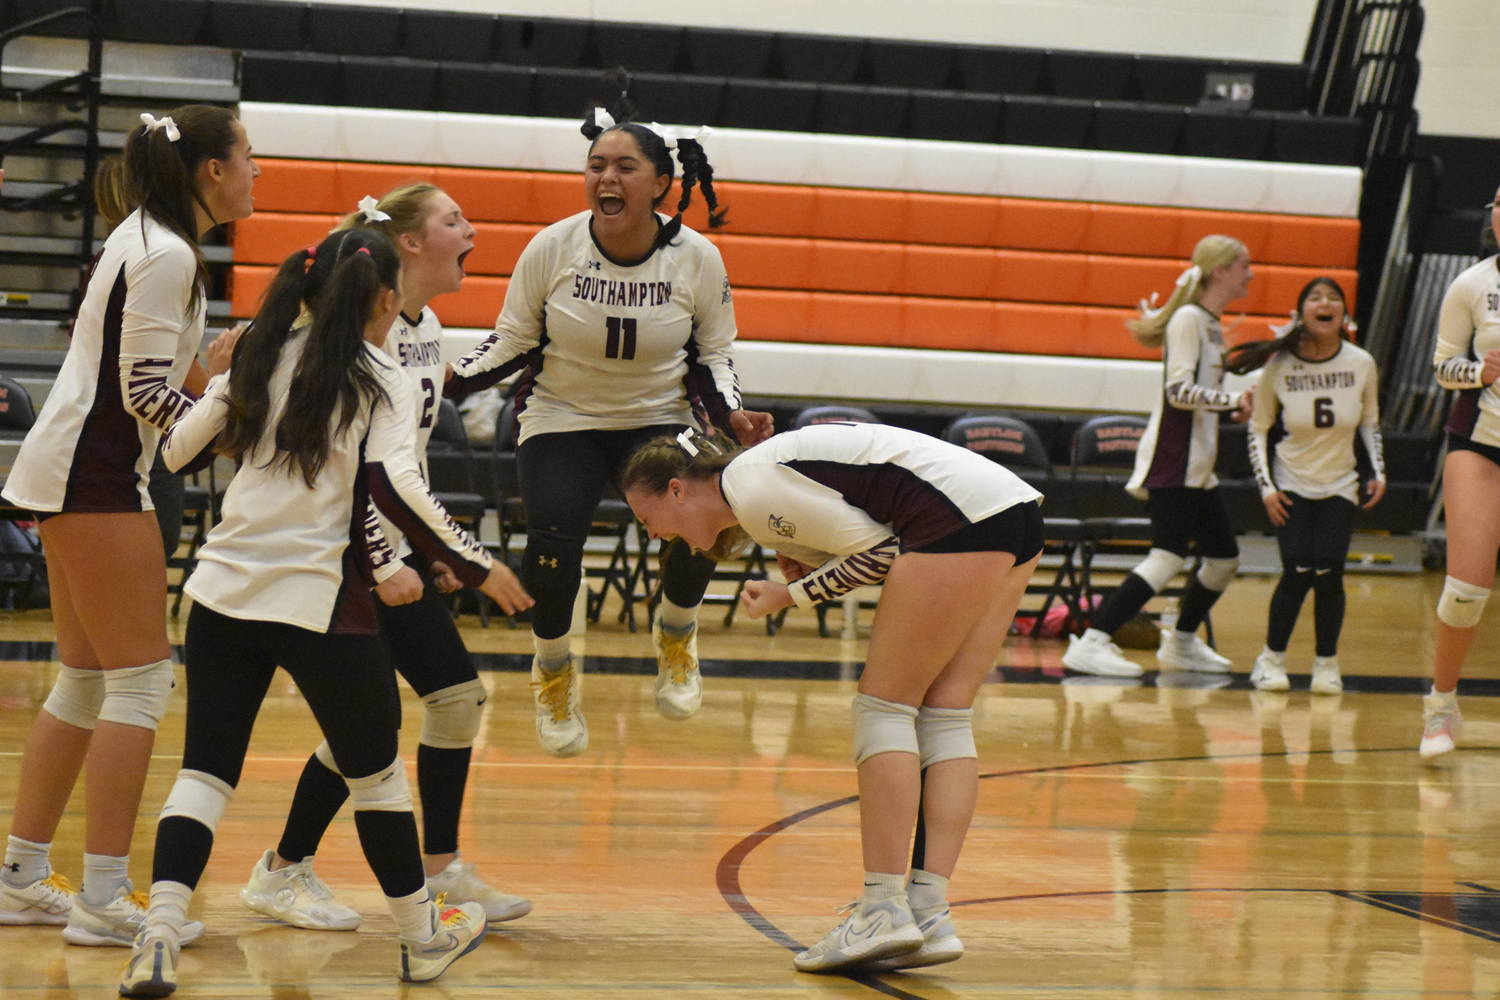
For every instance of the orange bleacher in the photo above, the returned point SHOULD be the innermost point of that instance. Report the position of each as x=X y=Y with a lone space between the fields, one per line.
x=845 y=266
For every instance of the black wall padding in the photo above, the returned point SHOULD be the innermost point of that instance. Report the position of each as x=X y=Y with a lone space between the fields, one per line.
x=374 y=82
x=163 y=22
x=449 y=36
x=920 y=65
x=486 y=90
x=1297 y=137
x=1130 y=127
x=246 y=24
x=1047 y=121
x=13 y=12
x=678 y=100
x=543 y=41
x=1230 y=135
x=992 y=70
x=354 y=31
x=953 y=117
x=1469 y=169
x=645 y=48
x=820 y=58
x=1098 y=76
x=568 y=93
x=849 y=110
x=1170 y=81
x=785 y=107
x=722 y=52
x=289 y=77
x=1279 y=86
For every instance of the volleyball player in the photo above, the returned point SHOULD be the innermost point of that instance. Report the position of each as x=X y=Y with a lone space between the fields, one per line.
x=622 y=320
x=84 y=468
x=320 y=421
x=1174 y=469
x=1316 y=390
x=1467 y=358
x=956 y=538
x=433 y=238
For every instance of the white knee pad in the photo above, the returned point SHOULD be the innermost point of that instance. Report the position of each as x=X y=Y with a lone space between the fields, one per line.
x=945 y=734
x=883 y=727
x=324 y=753
x=1462 y=604
x=453 y=714
x=383 y=791
x=76 y=697
x=137 y=696
x=200 y=796
x=1159 y=567
x=1216 y=574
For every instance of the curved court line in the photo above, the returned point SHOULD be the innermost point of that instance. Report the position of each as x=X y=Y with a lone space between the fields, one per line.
x=727 y=874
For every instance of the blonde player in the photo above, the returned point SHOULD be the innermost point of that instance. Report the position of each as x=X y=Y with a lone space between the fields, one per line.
x=1174 y=469
x=320 y=421
x=956 y=537
x=1318 y=391
x=84 y=468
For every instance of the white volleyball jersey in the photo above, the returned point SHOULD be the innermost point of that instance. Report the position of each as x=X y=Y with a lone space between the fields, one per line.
x=1181 y=442
x=418 y=349
x=285 y=552
x=1319 y=406
x=609 y=346
x=135 y=337
x=863 y=492
x=1468 y=329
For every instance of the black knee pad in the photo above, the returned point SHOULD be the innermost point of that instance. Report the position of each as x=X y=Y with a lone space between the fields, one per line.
x=553 y=560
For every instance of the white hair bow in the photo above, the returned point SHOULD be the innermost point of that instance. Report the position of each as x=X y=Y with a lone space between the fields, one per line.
x=686 y=440
x=166 y=122
x=603 y=118
x=372 y=213
x=671 y=133
x=1190 y=277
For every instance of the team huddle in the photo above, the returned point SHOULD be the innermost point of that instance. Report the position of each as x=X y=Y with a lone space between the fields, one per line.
x=332 y=554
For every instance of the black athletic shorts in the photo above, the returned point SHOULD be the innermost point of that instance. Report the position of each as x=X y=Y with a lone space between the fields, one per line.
x=1017 y=530
x=1457 y=442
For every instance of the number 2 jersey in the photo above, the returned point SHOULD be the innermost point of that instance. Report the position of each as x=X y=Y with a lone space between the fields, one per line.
x=608 y=346
x=1319 y=406
x=418 y=348
x=1468 y=329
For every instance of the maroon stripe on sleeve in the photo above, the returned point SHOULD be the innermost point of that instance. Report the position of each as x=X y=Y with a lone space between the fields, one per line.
x=1169 y=457
x=1465 y=413
x=354 y=608
x=417 y=530
x=917 y=511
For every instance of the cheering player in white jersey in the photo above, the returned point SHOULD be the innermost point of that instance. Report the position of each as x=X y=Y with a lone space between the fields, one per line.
x=433 y=238
x=956 y=537
x=1316 y=391
x=1174 y=469
x=320 y=421
x=84 y=468
x=1467 y=359
x=622 y=321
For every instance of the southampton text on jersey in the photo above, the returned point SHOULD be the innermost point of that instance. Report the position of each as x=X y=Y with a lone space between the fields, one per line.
x=1319 y=380
x=621 y=293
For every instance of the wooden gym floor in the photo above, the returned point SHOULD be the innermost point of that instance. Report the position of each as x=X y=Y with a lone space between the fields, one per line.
x=1131 y=841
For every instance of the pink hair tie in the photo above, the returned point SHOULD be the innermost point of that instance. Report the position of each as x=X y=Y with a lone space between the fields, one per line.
x=363 y=250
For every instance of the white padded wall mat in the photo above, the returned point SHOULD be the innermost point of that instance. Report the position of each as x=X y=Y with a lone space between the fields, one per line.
x=314 y=132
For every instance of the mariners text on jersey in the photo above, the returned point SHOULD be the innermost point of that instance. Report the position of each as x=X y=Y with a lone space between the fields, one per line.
x=610 y=292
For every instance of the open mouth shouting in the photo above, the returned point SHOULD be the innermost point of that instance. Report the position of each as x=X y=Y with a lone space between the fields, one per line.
x=610 y=203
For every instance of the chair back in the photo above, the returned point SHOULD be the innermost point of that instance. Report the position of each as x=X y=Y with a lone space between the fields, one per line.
x=16 y=411
x=1108 y=441
x=832 y=415
x=449 y=428
x=1009 y=441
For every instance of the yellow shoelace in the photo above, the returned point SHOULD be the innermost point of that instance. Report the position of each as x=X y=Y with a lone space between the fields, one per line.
x=58 y=882
x=674 y=653
x=554 y=692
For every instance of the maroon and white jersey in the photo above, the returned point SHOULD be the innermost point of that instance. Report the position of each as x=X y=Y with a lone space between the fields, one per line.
x=1181 y=441
x=1468 y=329
x=608 y=346
x=848 y=498
x=286 y=552
x=1320 y=406
x=136 y=335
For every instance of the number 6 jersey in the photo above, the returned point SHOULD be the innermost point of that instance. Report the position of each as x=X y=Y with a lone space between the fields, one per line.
x=609 y=346
x=1320 y=405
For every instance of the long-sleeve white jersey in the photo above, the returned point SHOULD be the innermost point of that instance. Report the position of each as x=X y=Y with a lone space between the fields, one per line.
x=285 y=552
x=1181 y=441
x=135 y=337
x=847 y=498
x=1468 y=329
x=1319 y=405
x=609 y=346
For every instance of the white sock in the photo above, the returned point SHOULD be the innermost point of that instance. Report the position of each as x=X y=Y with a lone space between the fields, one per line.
x=167 y=912
x=884 y=885
x=1095 y=635
x=1277 y=658
x=1183 y=637
x=675 y=618
x=926 y=891
x=1445 y=699
x=25 y=862
x=551 y=654
x=102 y=877
x=416 y=917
